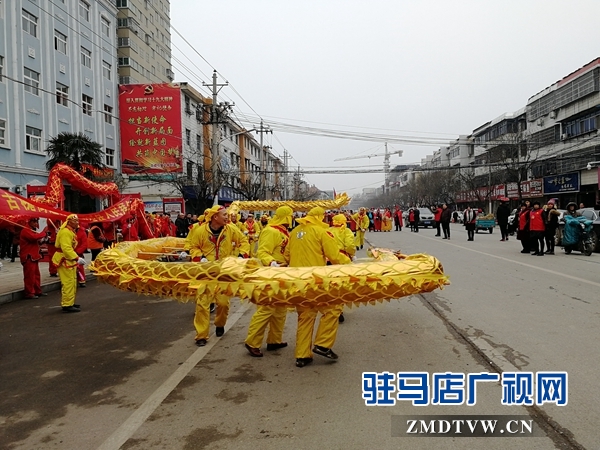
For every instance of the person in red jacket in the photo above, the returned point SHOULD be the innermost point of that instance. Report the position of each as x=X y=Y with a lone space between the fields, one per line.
x=537 y=229
x=82 y=246
x=29 y=244
x=437 y=215
x=130 y=229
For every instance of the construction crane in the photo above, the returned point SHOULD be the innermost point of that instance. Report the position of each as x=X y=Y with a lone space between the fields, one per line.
x=386 y=161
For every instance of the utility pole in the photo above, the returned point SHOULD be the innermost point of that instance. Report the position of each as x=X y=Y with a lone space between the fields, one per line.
x=214 y=145
x=285 y=174
x=262 y=130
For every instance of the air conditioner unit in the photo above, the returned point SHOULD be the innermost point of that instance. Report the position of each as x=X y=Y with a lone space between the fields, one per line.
x=553 y=114
x=540 y=122
x=18 y=189
x=563 y=136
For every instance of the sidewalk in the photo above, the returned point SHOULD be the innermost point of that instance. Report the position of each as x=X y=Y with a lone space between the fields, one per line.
x=11 y=280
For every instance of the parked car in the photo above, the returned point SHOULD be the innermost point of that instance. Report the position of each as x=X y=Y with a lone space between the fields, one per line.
x=426 y=218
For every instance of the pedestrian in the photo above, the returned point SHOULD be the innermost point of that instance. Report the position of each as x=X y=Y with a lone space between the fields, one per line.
x=523 y=231
x=214 y=240
x=537 y=229
x=572 y=210
x=386 y=219
x=362 y=224
x=445 y=220
x=397 y=219
x=312 y=245
x=411 y=219
x=371 y=217
x=377 y=220
x=272 y=251
x=182 y=226
x=551 y=216
x=502 y=214
x=469 y=220
x=417 y=218
x=29 y=243
x=66 y=259
x=581 y=205
x=95 y=239
x=80 y=249
x=437 y=215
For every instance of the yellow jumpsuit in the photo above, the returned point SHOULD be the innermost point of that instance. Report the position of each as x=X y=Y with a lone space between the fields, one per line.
x=253 y=227
x=311 y=245
x=230 y=242
x=272 y=246
x=345 y=239
x=362 y=225
x=66 y=259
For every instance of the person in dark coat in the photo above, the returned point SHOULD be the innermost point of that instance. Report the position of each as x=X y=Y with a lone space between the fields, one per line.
x=502 y=214
x=550 y=215
x=417 y=218
x=469 y=219
x=445 y=219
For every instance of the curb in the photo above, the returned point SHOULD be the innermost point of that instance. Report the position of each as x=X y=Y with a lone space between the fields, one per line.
x=47 y=287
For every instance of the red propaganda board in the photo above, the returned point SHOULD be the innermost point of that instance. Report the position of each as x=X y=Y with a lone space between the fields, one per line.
x=150 y=128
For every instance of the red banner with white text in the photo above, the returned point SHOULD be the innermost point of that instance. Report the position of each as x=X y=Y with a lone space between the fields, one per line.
x=150 y=128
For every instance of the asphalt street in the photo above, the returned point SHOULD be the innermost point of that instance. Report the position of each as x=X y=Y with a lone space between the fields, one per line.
x=125 y=373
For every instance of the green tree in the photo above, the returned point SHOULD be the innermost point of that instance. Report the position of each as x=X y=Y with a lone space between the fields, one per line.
x=77 y=151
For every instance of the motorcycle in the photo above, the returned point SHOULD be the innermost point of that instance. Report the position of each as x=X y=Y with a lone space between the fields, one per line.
x=577 y=235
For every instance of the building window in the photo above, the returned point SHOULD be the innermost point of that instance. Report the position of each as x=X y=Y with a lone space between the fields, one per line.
x=84 y=10
x=2 y=132
x=110 y=157
x=32 y=81
x=188 y=108
x=105 y=26
x=60 y=42
x=108 y=113
x=198 y=142
x=33 y=139
x=86 y=103
x=86 y=57
x=29 y=23
x=121 y=3
x=1 y=66
x=62 y=94
x=188 y=137
x=106 y=70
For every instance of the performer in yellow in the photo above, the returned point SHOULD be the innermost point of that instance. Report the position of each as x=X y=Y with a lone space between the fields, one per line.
x=362 y=225
x=235 y=220
x=345 y=240
x=215 y=239
x=311 y=245
x=343 y=236
x=66 y=260
x=272 y=251
x=254 y=229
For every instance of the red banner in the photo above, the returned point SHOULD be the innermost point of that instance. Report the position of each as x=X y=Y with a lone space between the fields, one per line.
x=150 y=128
x=13 y=207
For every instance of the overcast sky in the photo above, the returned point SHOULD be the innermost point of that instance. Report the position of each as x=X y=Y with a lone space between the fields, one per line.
x=432 y=69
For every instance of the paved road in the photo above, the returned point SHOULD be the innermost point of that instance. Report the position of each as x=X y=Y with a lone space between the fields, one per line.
x=125 y=372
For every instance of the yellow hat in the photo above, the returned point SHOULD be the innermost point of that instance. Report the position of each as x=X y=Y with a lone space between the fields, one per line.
x=283 y=216
x=339 y=220
x=209 y=213
x=314 y=217
x=69 y=217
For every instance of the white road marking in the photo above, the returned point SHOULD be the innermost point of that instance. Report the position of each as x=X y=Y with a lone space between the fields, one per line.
x=137 y=419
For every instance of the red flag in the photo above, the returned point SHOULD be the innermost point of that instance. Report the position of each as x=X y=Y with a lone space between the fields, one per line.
x=334 y=194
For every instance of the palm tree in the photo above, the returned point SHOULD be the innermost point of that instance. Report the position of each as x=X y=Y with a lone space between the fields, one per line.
x=77 y=151
x=74 y=150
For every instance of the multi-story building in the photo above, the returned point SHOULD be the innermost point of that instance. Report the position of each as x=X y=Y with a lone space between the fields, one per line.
x=58 y=74
x=144 y=41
